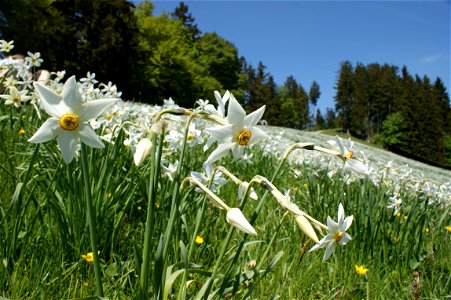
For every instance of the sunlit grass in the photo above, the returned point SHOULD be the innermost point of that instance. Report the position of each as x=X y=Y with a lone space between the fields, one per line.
x=44 y=232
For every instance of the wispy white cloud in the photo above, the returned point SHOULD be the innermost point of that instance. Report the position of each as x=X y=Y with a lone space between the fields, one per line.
x=433 y=58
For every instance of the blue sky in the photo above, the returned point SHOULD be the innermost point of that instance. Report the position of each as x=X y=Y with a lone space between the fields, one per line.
x=309 y=39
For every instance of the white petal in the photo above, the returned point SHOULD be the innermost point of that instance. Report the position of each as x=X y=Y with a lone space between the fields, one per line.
x=332 y=227
x=329 y=251
x=51 y=101
x=220 y=152
x=67 y=141
x=91 y=109
x=257 y=135
x=235 y=113
x=345 y=239
x=346 y=223
x=236 y=218
x=253 y=118
x=357 y=166
x=341 y=213
x=221 y=133
x=71 y=95
x=237 y=151
x=47 y=131
x=340 y=145
x=322 y=243
x=89 y=136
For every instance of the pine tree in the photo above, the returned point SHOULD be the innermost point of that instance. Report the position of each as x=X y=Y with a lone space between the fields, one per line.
x=343 y=97
x=181 y=13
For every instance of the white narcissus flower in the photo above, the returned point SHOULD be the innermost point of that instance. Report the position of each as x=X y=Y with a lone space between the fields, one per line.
x=395 y=204
x=6 y=46
x=69 y=118
x=239 y=132
x=337 y=233
x=236 y=218
x=347 y=155
x=16 y=97
x=143 y=149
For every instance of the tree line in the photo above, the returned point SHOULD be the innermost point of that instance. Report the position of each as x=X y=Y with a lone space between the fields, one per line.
x=151 y=58
x=407 y=114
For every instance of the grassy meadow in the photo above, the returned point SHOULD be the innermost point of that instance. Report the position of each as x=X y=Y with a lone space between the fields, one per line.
x=165 y=225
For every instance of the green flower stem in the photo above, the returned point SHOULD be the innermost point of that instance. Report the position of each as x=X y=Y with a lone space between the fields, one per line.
x=182 y=291
x=219 y=261
x=144 y=276
x=91 y=221
x=161 y=274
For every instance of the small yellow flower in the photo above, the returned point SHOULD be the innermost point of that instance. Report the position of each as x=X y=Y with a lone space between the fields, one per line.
x=398 y=214
x=305 y=186
x=426 y=229
x=89 y=257
x=405 y=218
x=22 y=131
x=361 y=270
x=448 y=228
x=199 y=240
x=157 y=205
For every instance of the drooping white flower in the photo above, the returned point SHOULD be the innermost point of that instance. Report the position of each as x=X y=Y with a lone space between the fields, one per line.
x=337 y=233
x=239 y=132
x=69 y=118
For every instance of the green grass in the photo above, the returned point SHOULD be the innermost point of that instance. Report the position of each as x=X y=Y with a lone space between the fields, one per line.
x=43 y=228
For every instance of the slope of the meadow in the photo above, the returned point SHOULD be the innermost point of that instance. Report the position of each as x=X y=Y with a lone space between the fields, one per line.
x=377 y=157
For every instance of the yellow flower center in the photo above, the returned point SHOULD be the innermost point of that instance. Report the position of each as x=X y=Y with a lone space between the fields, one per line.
x=244 y=137
x=190 y=137
x=16 y=100
x=348 y=154
x=69 y=122
x=338 y=236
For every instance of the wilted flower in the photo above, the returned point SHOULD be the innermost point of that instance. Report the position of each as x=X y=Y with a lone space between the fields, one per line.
x=337 y=233
x=69 y=118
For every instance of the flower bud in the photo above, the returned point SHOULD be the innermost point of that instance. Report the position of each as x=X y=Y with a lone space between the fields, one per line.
x=307 y=228
x=143 y=150
x=236 y=218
